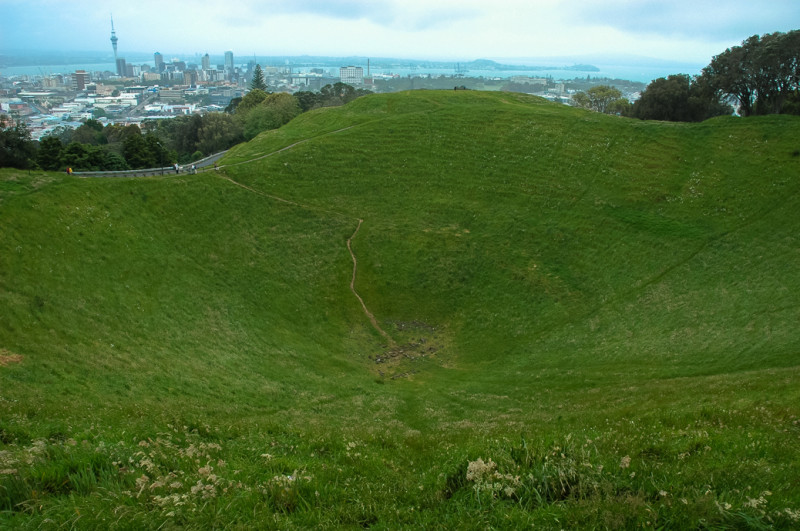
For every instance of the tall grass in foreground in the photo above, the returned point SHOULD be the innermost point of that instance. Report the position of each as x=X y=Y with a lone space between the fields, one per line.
x=593 y=322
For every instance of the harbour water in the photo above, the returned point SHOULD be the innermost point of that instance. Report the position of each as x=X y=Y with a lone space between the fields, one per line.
x=643 y=74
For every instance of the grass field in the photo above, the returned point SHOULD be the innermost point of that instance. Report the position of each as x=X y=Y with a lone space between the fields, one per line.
x=590 y=322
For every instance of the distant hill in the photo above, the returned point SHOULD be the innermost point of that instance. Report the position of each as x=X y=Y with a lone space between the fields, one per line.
x=580 y=321
x=486 y=64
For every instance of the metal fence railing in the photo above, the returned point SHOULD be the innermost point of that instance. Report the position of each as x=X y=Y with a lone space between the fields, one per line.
x=200 y=165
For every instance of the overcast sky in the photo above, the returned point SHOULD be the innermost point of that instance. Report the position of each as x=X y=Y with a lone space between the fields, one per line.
x=689 y=31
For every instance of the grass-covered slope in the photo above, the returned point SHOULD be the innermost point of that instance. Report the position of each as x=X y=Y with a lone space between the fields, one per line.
x=604 y=308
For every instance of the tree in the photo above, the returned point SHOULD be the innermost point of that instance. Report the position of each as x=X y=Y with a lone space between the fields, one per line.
x=665 y=99
x=620 y=106
x=83 y=157
x=91 y=132
x=16 y=147
x=118 y=133
x=187 y=134
x=307 y=100
x=581 y=99
x=63 y=133
x=114 y=162
x=761 y=74
x=76 y=156
x=49 y=155
x=234 y=103
x=792 y=103
x=705 y=102
x=158 y=154
x=258 y=79
x=218 y=132
x=276 y=110
x=728 y=74
x=259 y=119
x=362 y=92
x=777 y=70
x=250 y=101
x=337 y=94
x=136 y=152
x=601 y=98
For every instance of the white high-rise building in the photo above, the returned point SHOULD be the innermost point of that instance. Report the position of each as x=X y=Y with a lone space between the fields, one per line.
x=352 y=75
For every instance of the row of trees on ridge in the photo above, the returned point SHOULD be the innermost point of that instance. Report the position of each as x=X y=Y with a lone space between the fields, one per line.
x=159 y=143
x=762 y=76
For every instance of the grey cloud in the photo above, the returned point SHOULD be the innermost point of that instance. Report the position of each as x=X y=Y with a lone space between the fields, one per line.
x=707 y=20
x=384 y=13
x=342 y=9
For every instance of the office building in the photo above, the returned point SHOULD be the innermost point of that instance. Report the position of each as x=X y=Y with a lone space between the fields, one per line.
x=122 y=67
x=80 y=79
x=159 y=59
x=352 y=75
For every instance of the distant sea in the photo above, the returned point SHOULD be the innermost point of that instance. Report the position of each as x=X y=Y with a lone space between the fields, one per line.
x=46 y=70
x=643 y=74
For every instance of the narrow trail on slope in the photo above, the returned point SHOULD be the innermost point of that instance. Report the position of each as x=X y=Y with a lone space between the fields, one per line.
x=258 y=192
x=290 y=146
x=371 y=317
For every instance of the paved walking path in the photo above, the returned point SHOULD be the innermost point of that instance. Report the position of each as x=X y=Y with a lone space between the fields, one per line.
x=200 y=165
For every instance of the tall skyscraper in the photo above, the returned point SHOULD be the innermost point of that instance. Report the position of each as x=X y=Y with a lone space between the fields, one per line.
x=206 y=62
x=160 y=66
x=122 y=67
x=229 y=61
x=114 y=45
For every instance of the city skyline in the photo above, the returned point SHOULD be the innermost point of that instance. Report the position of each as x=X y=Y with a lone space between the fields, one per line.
x=680 y=31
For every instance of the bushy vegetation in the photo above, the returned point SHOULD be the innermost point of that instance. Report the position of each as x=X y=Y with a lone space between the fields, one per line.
x=16 y=148
x=592 y=323
x=160 y=143
x=762 y=76
x=679 y=98
x=602 y=98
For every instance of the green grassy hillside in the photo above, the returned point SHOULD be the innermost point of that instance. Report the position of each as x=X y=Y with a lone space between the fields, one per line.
x=580 y=321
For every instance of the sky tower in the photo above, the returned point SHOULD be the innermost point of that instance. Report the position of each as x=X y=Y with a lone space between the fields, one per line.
x=114 y=42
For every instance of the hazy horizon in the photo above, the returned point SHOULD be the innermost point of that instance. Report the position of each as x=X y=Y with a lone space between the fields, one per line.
x=634 y=68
